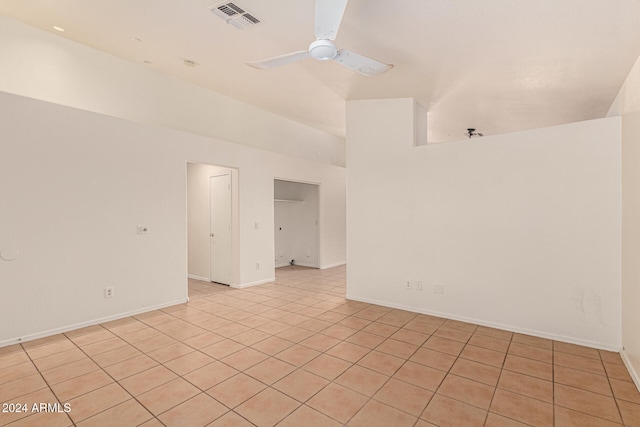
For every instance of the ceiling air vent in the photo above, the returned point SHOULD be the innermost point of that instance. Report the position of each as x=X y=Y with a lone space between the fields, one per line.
x=235 y=15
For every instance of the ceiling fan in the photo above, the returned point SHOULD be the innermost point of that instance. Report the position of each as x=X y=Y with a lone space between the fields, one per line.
x=328 y=16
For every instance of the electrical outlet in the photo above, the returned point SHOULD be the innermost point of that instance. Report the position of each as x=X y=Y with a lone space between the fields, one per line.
x=407 y=284
x=438 y=289
x=257 y=266
x=108 y=292
x=143 y=229
x=417 y=285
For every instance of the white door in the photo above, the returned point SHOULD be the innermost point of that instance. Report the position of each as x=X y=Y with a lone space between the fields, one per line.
x=220 y=230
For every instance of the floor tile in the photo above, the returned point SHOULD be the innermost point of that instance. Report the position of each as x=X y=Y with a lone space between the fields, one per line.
x=307 y=417
x=338 y=402
x=377 y=414
x=348 y=351
x=569 y=418
x=366 y=339
x=231 y=419
x=582 y=380
x=296 y=352
x=267 y=408
x=327 y=366
x=301 y=385
x=526 y=385
x=404 y=396
x=222 y=348
x=21 y=386
x=444 y=345
x=576 y=349
x=587 y=364
x=128 y=413
x=630 y=413
x=96 y=401
x=468 y=391
x=446 y=412
x=381 y=362
x=147 y=380
x=483 y=355
x=587 y=402
x=434 y=359
x=531 y=352
x=533 y=341
x=320 y=342
x=521 y=408
x=397 y=348
x=420 y=375
x=529 y=367
x=82 y=384
x=130 y=367
x=168 y=395
x=495 y=420
x=617 y=371
x=624 y=390
x=476 y=371
x=298 y=355
x=69 y=371
x=244 y=359
x=272 y=345
x=490 y=343
x=362 y=380
x=170 y=352
x=270 y=370
x=236 y=390
x=200 y=410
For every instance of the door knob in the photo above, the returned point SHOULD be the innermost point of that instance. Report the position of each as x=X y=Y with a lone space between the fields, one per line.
x=212 y=234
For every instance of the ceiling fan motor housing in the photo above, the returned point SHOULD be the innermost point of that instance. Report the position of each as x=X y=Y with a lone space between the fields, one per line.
x=323 y=50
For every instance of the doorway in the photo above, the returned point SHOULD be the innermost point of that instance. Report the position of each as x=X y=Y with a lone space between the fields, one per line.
x=296 y=212
x=212 y=224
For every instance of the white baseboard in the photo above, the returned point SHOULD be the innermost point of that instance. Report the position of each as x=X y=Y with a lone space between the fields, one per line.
x=335 y=264
x=194 y=277
x=75 y=326
x=511 y=328
x=258 y=282
x=302 y=264
x=630 y=368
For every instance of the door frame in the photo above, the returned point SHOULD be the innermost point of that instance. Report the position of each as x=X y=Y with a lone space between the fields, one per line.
x=193 y=237
x=319 y=215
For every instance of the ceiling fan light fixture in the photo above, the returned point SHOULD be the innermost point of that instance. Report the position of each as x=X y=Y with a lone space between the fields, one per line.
x=323 y=50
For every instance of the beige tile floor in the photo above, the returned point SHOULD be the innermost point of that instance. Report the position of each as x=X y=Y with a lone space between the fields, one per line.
x=296 y=353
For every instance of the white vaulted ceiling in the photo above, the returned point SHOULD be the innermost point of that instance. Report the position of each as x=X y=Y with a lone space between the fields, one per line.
x=495 y=65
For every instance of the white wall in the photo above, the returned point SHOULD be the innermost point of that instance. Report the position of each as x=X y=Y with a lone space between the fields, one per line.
x=49 y=67
x=75 y=185
x=631 y=243
x=628 y=106
x=523 y=230
x=296 y=223
x=199 y=221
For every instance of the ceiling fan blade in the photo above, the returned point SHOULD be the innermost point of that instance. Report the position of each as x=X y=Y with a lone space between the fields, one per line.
x=328 y=18
x=280 y=60
x=361 y=64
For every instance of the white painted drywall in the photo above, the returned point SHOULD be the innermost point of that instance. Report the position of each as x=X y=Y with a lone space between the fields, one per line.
x=75 y=186
x=199 y=220
x=631 y=243
x=628 y=106
x=49 y=67
x=296 y=223
x=523 y=230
